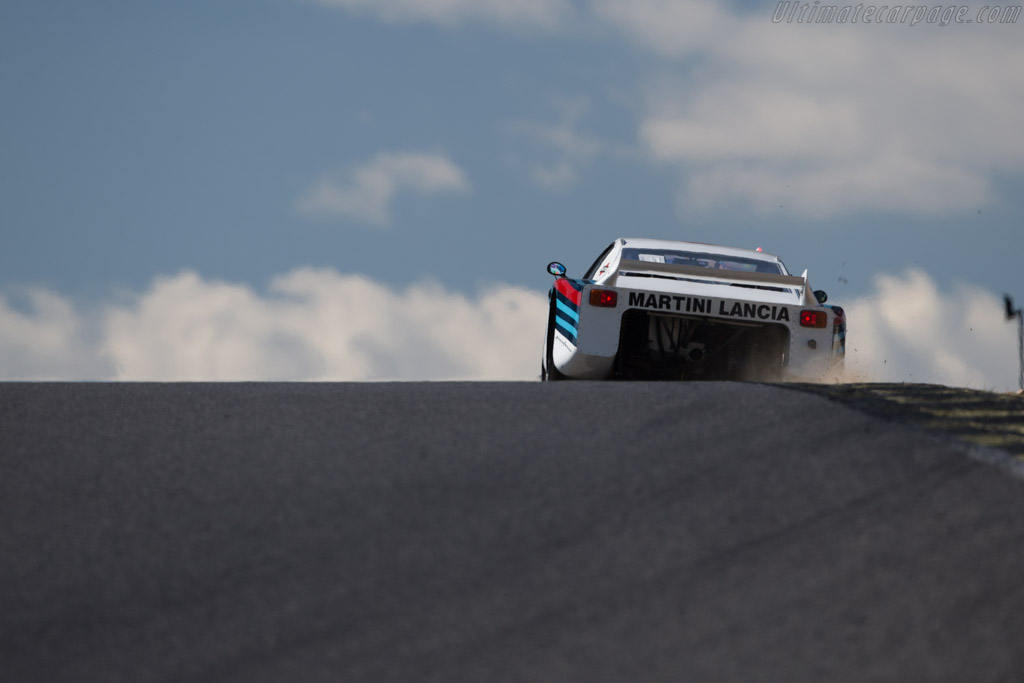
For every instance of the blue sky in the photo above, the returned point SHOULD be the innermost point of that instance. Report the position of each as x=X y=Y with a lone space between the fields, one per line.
x=467 y=143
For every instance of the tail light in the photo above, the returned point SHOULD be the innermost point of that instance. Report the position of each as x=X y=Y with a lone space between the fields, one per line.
x=605 y=298
x=816 y=319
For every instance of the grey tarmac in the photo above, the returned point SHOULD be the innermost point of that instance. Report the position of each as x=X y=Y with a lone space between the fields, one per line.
x=498 y=532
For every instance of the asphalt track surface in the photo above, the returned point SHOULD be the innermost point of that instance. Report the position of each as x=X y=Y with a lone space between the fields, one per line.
x=497 y=532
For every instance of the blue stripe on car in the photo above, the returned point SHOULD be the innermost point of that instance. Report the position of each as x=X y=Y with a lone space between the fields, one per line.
x=567 y=329
x=567 y=310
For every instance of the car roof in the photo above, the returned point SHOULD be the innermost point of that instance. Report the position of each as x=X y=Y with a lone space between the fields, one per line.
x=647 y=243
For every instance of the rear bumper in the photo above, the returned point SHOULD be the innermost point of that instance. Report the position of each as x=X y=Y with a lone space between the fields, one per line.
x=589 y=349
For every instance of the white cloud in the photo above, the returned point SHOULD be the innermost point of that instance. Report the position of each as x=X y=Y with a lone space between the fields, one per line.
x=518 y=13
x=48 y=339
x=310 y=325
x=367 y=192
x=827 y=118
x=908 y=330
x=322 y=325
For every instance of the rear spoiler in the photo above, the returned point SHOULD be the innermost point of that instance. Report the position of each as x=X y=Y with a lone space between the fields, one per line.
x=726 y=276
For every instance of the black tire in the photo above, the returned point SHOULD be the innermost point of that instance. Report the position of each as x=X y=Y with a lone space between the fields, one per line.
x=548 y=371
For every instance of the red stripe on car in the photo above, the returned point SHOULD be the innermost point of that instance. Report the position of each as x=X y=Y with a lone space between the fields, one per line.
x=568 y=291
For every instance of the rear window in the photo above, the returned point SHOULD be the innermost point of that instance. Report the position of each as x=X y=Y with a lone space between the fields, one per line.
x=703 y=260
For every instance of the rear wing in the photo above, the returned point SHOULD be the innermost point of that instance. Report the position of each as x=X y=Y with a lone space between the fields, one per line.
x=723 y=276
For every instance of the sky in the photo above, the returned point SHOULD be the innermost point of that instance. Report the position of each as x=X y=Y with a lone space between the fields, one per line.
x=371 y=189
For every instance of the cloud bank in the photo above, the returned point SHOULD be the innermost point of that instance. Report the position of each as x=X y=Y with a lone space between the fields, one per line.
x=309 y=325
x=368 y=191
x=909 y=330
x=820 y=119
x=826 y=119
x=315 y=324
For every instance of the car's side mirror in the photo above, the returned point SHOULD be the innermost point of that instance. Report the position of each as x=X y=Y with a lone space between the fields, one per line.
x=556 y=269
x=820 y=295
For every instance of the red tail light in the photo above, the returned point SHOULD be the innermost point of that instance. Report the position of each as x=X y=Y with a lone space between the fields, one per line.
x=817 y=319
x=605 y=298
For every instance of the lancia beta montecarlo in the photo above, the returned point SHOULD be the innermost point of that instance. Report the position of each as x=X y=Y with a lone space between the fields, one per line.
x=658 y=309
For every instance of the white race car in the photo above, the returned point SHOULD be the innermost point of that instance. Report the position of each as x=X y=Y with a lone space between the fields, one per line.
x=658 y=309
